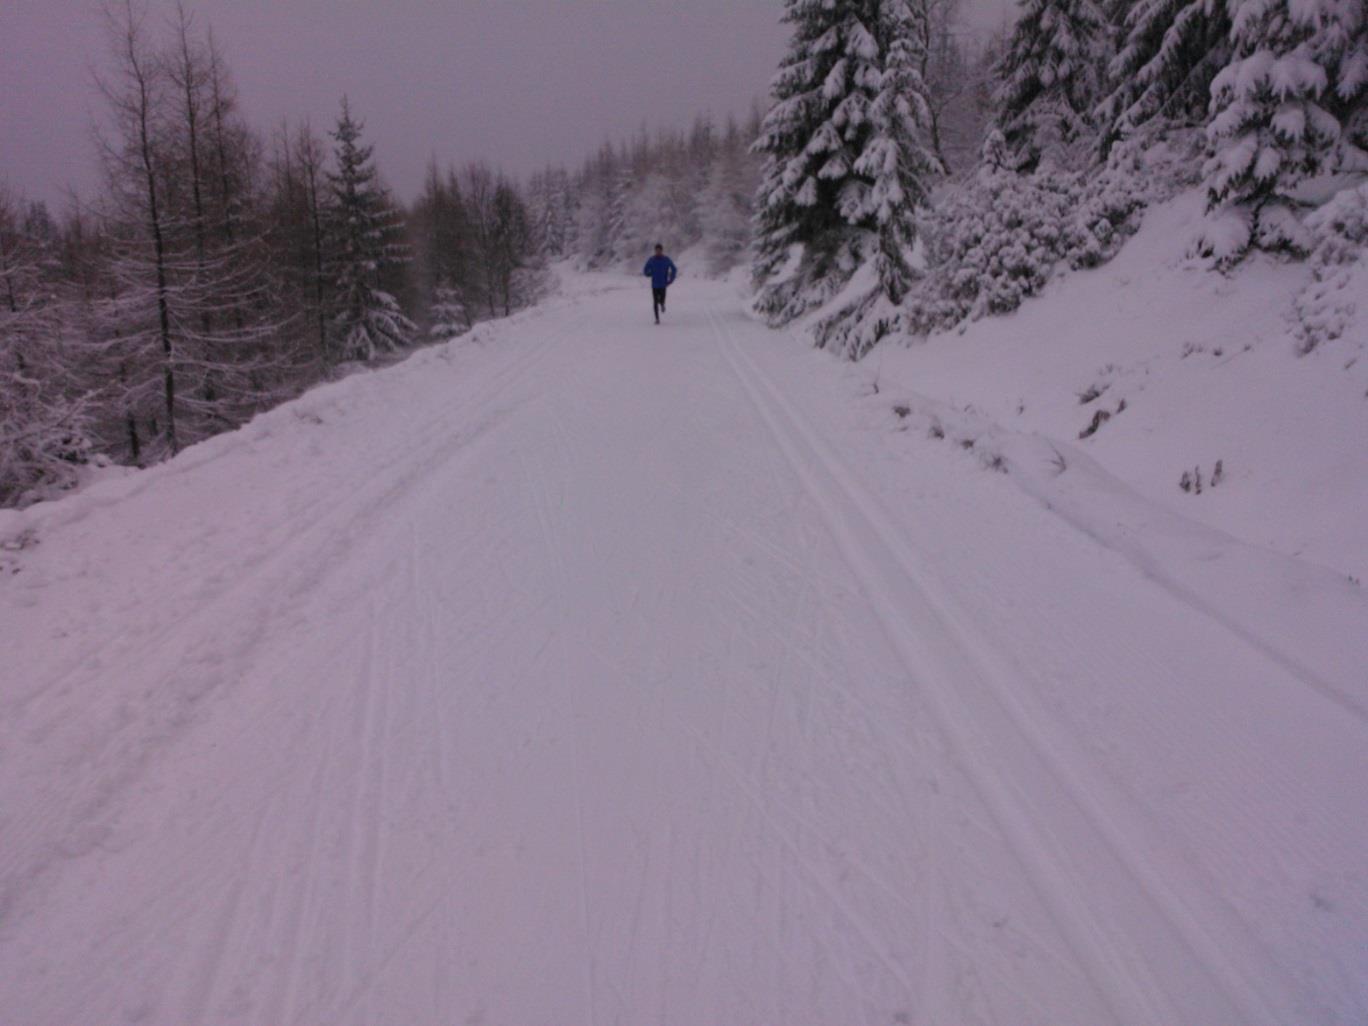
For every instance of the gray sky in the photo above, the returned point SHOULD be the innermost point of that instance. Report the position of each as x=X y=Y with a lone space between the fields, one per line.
x=515 y=82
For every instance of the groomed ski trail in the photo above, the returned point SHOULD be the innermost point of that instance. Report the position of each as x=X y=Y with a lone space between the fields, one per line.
x=593 y=672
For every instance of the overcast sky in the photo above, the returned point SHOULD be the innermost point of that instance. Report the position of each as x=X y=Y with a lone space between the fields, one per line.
x=515 y=82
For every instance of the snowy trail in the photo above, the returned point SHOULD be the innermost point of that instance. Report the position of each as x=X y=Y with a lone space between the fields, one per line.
x=605 y=674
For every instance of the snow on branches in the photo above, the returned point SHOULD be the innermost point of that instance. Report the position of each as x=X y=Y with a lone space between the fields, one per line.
x=846 y=162
x=363 y=224
x=1288 y=107
x=997 y=239
x=1339 y=269
x=1050 y=82
x=1170 y=51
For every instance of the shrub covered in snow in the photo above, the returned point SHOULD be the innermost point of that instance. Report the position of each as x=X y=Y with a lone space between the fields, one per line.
x=998 y=238
x=44 y=422
x=43 y=445
x=990 y=244
x=1339 y=268
x=44 y=414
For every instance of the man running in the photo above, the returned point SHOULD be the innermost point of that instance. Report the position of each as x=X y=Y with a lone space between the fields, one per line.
x=662 y=272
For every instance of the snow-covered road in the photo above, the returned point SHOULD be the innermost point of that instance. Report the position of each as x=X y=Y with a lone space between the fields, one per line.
x=590 y=672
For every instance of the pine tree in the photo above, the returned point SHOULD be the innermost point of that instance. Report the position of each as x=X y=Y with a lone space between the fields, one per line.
x=1050 y=81
x=1169 y=52
x=224 y=299
x=728 y=203
x=1284 y=109
x=844 y=161
x=895 y=161
x=807 y=158
x=442 y=240
x=549 y=211
x=138 y=309
x=510 y=244
x=449 y=315
x=619 y=229
x=596 y=189
x=367 y=319
x=294 y=205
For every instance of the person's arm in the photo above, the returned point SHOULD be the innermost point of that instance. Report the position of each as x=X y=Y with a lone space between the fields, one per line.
x=647 y=272
x=674 y=271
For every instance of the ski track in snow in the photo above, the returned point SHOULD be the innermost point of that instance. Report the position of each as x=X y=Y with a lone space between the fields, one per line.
x=609 y=674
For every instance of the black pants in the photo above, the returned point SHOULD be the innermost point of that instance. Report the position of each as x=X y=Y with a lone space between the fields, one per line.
x=658 y=301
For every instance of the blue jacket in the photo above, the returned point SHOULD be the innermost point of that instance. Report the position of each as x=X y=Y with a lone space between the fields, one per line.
x=662 y=272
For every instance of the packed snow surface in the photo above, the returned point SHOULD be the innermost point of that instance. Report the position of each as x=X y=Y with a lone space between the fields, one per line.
x=584 y=671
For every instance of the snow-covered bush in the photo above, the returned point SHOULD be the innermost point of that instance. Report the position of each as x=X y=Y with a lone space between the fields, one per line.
x=998 y=238
x=1339 y=268
x=44 y=423
x=990 y=244
x=43 y=443
x=1139 y=171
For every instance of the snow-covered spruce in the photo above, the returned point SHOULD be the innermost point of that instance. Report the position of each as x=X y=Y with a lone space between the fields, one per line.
x=1339 y=269
x=1170 y=51
x=1288 y=107
x=728 y=204
x=846 y=164
x=1050 y=82
x=363 y=223
x=449 y=314
x=551 y=212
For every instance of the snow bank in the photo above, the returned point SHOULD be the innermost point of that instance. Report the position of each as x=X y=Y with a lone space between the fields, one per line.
x=1161 y=373
x=132 y=569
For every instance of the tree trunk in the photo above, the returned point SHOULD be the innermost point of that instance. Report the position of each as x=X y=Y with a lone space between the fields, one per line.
x=9 y=277
x=316 y=223
x=188 y=73
x=218 y=101
x=158 y=241
x=130 y=420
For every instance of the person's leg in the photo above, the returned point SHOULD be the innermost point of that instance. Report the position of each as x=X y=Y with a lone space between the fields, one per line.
x=657 y=302
x=662 y=298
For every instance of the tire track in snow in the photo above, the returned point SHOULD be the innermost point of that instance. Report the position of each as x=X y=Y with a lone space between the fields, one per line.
x=874 y=552
x=307 y=556
x=553 y=544
x=203 y=991
x=301 y=903
x=406 y=457
x=365 y=824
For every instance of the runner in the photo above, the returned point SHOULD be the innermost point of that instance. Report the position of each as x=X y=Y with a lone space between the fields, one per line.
x=662 y=272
